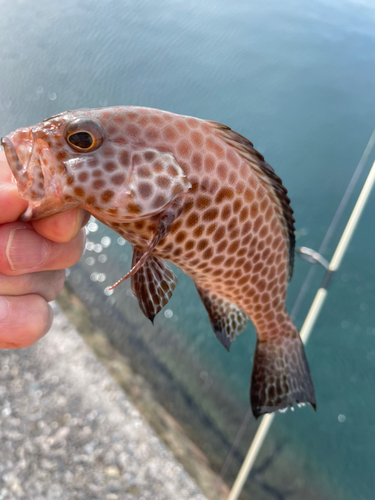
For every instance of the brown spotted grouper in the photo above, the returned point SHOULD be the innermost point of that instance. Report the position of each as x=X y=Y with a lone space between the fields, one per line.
x=189 y=191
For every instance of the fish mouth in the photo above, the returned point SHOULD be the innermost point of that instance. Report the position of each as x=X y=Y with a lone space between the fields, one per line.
x=20 y=149
x=11 y=156
x=24 y=161
x=25 y=153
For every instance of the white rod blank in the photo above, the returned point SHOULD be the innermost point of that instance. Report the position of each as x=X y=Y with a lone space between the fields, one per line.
x=251 y=456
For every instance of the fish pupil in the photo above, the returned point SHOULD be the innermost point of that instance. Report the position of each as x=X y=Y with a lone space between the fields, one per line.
x=82 y=140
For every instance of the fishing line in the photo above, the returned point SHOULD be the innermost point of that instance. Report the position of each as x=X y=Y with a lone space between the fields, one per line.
x=267 y=419
x=335 y=220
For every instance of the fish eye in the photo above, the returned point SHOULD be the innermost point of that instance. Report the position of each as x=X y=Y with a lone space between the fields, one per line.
x=81 y=140
x=84 y=135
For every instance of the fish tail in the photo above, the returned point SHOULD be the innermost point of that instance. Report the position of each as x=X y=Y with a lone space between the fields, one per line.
x=281 y=374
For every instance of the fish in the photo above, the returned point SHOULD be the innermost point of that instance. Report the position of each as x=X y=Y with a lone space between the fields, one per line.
x=189 y=191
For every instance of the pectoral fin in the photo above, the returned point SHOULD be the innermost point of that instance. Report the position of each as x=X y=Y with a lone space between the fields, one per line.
x=153 y=284
x=155 y=179
x=167 y=217
x=227 y=320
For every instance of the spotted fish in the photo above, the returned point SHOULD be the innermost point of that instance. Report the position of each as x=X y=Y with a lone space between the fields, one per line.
x=189 y=191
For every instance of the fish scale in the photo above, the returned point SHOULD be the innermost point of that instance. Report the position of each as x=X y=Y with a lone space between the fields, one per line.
x=189 y=191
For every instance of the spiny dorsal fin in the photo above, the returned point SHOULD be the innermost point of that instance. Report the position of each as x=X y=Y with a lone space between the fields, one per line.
x=153 y=284
x=227 y=319
x=267 y=173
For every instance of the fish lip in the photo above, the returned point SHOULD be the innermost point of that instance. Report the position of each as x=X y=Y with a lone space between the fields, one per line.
x=32 y=153
x=12 y=156
x=21 y=151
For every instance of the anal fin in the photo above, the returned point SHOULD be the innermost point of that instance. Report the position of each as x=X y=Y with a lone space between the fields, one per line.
x=227 y=319
x=153 y=284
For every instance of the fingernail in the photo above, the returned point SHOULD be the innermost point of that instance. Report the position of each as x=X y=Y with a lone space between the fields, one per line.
x=85 y=217
x=49 y=321
x=81 y=215
x=26 y=249
x=4 y=308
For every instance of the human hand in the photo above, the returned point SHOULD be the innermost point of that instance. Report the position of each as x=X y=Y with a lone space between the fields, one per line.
x=33 y=256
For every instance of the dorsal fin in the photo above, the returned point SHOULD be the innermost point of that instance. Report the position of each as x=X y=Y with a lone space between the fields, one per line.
x=267 y=173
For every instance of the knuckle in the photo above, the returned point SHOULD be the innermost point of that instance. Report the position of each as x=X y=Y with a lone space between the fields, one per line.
x=29 y=318
x=54 y=284
x=42 y=321
x=78 y=244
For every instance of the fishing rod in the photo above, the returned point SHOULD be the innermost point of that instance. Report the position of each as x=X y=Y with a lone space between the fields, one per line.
x=316 y=306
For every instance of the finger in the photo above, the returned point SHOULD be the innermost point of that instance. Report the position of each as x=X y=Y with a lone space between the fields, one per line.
x=5 y=171
x=23 y=320
x=47 y=284
x=22 y=250
x=12 y=206
x=62 y=227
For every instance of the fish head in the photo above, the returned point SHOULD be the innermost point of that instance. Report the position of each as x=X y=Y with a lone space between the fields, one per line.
x=80 y=158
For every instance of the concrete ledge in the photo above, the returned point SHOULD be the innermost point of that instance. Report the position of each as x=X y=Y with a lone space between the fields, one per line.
x=67 y=431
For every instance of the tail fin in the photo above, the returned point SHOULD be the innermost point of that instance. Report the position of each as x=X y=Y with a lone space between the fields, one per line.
x=281 y=376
